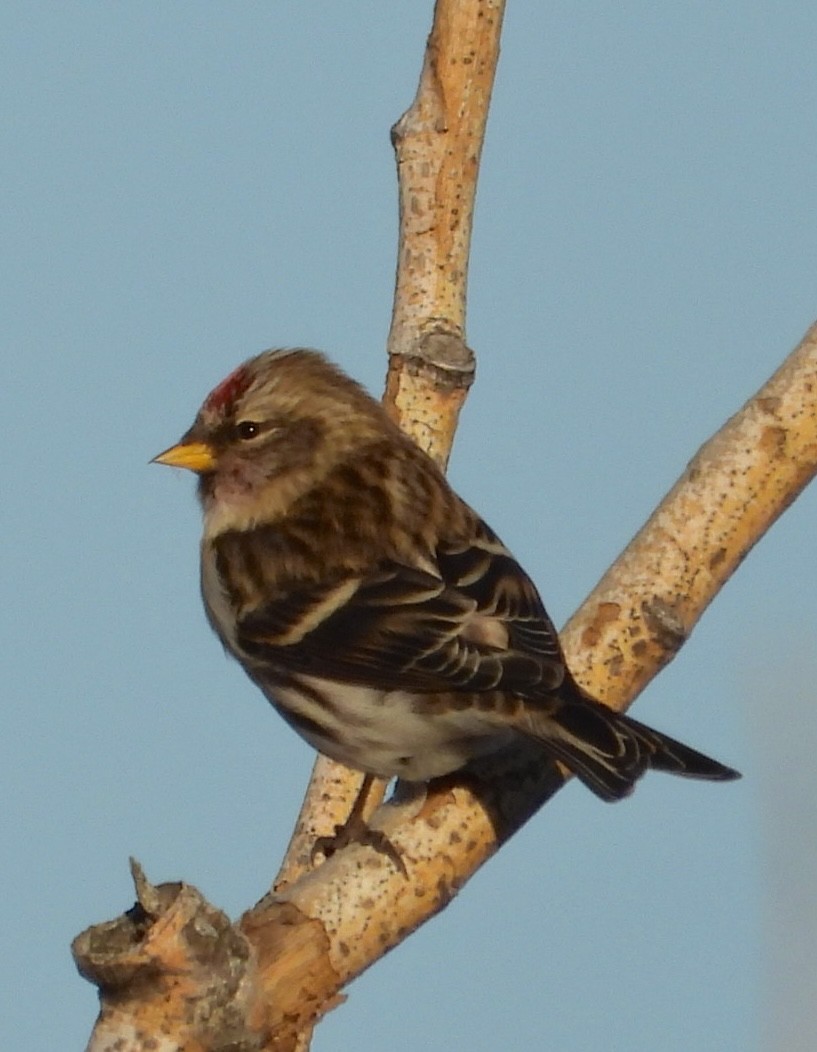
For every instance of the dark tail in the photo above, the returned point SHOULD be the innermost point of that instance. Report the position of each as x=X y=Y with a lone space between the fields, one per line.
x=609 y=751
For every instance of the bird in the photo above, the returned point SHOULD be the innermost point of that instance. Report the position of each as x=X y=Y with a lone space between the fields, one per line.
x=378 y=613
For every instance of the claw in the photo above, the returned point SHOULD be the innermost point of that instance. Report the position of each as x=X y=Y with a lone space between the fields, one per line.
x=356 y=830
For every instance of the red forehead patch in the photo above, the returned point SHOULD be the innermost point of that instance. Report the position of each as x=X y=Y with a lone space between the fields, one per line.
x=228 y=390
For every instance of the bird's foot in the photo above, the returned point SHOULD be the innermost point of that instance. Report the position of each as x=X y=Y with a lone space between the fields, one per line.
x=355 y=830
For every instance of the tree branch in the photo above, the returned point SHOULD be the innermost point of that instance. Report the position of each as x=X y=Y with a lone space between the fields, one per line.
x=290 y=955
x=173 y=972
x=437 y=144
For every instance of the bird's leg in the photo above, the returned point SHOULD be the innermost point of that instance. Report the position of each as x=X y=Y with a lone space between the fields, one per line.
x=356 y=829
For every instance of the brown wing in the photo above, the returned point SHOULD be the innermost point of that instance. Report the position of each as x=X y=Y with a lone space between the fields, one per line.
x=476 y=624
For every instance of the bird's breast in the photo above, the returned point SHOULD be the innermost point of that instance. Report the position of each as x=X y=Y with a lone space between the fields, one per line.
x=217 y=605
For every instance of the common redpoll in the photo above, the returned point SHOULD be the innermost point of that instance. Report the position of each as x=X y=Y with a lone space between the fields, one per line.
x=376 y=611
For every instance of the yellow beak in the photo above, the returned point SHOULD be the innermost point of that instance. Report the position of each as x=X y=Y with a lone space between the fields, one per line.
x=195 y=456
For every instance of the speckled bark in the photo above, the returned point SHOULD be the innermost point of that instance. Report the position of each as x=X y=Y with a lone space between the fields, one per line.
x=177 y=972
x=174 y=973
x=437 y=143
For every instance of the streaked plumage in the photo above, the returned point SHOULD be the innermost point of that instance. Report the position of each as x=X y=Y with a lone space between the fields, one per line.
x=378 y=613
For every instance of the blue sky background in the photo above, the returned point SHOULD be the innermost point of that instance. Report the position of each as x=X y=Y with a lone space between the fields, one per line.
x=186 y=184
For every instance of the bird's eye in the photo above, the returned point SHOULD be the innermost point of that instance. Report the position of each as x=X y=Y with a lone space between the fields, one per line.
x=247 y=429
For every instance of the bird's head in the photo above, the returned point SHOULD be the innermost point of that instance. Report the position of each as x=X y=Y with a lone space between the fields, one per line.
x=269 y=432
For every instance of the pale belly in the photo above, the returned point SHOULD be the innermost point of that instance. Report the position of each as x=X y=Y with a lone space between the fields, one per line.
x=383 y=733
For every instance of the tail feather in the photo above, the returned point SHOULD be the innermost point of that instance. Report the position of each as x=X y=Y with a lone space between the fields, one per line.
x=609 y=752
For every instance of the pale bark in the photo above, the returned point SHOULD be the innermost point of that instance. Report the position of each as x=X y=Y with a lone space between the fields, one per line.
x=174 y=973
x=437 y=144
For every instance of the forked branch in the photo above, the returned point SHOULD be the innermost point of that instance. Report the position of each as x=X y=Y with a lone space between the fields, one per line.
x=174 y=972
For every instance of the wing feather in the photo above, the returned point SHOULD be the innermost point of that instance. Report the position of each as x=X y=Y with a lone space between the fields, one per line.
x=477 y=624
